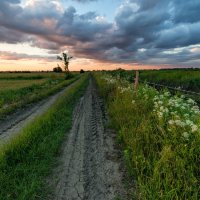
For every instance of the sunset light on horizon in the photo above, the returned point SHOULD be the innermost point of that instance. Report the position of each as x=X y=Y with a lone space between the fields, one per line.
x=100 y=35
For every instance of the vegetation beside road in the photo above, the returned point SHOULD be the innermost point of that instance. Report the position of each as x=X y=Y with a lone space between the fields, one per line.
x=26 y=161
x=160 y=134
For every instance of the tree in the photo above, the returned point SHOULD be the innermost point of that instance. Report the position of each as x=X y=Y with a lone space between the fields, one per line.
x=82 y=71
x=57 y=69
x=65 y=57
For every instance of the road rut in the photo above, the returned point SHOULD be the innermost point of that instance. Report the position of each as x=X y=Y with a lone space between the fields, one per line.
x=87 y=168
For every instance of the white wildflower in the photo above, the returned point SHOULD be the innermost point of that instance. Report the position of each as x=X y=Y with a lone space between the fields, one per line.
x=194 y=128
x=186 y=135
x=179 y=123
x=191 y=101
x=166 y=110
x=171 y=122
x=189 y=122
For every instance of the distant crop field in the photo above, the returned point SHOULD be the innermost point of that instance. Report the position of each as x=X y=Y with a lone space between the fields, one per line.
x=18 y=84
x=29 y=76
x=187 y=79
x=18 y=89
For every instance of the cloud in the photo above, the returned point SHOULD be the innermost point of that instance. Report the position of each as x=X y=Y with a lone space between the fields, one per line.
x=186 y=12
x=83 y=28
x=84 y=1
x=142 y=30
x=5 y=55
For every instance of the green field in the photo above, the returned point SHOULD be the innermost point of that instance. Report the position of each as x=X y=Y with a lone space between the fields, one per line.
x=30 y=75
x=187 y=79
x=6 y=85
x=19 y=89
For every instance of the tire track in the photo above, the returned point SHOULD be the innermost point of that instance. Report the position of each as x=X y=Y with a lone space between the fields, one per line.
x=84 y=171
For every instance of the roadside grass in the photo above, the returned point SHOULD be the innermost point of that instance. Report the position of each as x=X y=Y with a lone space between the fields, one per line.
x=185 y=79
x=11 y=99
x=160 y=135
x=26 y=160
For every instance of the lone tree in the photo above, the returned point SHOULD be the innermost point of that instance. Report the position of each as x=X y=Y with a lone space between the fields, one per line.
x=65 y=57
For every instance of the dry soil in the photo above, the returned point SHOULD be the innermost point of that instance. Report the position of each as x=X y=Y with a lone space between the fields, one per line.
x=87 y=167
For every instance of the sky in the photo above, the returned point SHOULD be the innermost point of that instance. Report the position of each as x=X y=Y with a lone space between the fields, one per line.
x=99 y=34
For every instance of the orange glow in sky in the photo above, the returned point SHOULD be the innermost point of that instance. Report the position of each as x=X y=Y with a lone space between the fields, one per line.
x=99 y=34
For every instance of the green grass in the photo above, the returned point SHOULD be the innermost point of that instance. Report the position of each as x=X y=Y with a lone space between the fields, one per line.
x=187 y=79
x=26 y=161
x=19 y=96
x=30 y=76
x=184 y=79
x=6 y=85
x=160 y=135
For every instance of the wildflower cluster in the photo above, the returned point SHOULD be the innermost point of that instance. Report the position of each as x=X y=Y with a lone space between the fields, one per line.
x=125 y=89
x=160 y=135
x=177 y=113
x=125 y=86
x=146 y=92
x=109 y=79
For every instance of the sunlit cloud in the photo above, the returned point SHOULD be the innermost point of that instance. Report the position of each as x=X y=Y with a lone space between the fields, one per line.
x=140 y=32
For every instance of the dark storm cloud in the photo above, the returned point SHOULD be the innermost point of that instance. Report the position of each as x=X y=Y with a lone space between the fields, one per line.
x=83 y=28
x=11 y=36
x=186 y=11
x=143 y=30
x=31 y=20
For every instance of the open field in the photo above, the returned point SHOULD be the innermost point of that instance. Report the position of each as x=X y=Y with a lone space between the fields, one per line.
x=183 y=79
x=30 y=75
x=187 y=79
x=6 y=85
x=15 y=122
x=17 y=90
x=160 y=134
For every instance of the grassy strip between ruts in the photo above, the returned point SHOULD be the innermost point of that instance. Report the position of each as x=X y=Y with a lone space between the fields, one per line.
x=28 y=158
x=19 y=98
x=160 y=134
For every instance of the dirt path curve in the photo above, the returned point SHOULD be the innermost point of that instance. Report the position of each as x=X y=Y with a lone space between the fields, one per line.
x=87 y=167
x=15 y=122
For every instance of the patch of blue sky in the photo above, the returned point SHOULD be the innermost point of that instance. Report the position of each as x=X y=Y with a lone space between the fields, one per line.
x=105 y=8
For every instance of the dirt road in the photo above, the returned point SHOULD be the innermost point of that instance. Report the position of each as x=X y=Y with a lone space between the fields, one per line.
x=87 y=166
x=15 y=122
